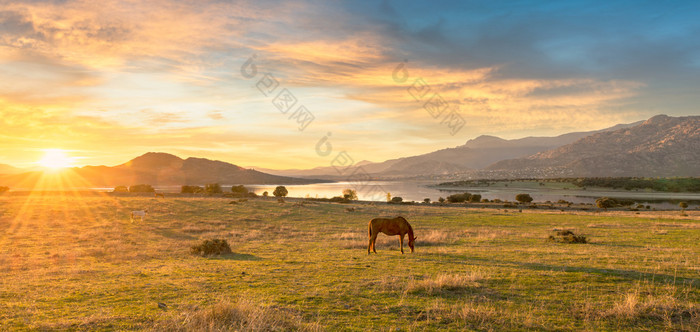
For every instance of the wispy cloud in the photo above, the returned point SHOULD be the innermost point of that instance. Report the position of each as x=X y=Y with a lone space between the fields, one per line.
x=166 y=72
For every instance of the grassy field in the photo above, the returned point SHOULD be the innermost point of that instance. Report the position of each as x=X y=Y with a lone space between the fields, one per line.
x=78 y=263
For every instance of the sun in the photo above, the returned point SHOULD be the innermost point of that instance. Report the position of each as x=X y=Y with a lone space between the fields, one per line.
x=55 y=159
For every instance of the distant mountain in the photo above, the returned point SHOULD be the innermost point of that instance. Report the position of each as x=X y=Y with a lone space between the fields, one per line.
x=475 y=154
x=660 y=146
x=7 y=169
x=161 y=169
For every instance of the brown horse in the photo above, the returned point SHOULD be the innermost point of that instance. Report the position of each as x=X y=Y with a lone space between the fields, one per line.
x=397 y=226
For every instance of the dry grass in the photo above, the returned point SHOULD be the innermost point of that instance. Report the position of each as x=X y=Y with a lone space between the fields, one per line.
x=242 y=314
x=634 y=307
x=445 y=283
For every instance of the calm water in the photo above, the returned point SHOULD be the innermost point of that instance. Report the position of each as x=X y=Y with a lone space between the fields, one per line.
x=419 y=190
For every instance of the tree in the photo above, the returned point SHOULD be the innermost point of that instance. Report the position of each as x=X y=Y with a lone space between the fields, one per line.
x=280 y=191
x=350 y=194
x=213 y=188
x=142 y=188
x=397 y=200
x=4 y=189
x=426 y=200
x=265 y=194
x=683 y=205
x=239 y=190
x=119 y=189
x=441 y=200
x=458 y=198
x=476 y=198
x=523 y=198
x=605 y=202
x=388 y=197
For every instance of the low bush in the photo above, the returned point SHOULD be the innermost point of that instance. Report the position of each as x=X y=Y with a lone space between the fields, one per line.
x=567 y=236
x=211 y=247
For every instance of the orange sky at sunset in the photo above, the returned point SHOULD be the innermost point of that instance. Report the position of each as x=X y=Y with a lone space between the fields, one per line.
x=106 y=81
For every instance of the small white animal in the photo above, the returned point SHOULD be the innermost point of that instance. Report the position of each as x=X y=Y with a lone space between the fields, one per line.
x=138 y=214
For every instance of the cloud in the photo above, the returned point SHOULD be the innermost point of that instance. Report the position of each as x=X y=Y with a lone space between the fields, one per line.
x=75 y=72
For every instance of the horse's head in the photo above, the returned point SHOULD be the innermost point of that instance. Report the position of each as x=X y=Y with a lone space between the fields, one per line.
x=410 y=243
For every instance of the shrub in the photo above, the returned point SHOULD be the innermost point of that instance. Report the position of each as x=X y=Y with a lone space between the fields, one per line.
x=4 y=189
x=476 y=198
x=396 y=200
x=350 y=194
x=441 y=200
x=142 y=188
x=523 y=198
x=117 y=189
x=606 y=202
x=458 y=198
x=213 y=188
x=280 y=191
x=252 y=194
x=239 y=190
x=211 y=247
x=191 y=189
x=683 y=205
x=567 y=236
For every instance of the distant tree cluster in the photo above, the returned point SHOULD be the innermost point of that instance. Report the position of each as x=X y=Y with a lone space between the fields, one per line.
x=141 y=188
x=191 y=190
x=4 y=189
x=629 y=183
x=460 y=198
x=607 y=202
x=213 y=188
x=239 y=190
x=121 y=189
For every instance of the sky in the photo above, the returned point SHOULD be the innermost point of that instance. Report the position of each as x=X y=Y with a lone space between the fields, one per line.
x=110 y=80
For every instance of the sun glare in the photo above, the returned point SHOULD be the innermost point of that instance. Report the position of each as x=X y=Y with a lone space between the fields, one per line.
x=55 y=159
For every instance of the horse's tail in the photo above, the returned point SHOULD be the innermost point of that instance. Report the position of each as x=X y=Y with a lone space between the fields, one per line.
x=369 y=229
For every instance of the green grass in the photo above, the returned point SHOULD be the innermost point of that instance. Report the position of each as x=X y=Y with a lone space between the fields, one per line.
x=78 y=263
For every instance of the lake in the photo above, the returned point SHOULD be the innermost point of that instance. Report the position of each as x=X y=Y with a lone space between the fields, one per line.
x=419 y=190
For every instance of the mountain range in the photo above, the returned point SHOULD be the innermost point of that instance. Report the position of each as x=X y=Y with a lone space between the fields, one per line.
x=476 y=154
x=661 y=146
x=161 y=169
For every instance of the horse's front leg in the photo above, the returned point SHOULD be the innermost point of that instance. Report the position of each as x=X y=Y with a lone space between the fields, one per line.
x=373 y=243
x=401 y=242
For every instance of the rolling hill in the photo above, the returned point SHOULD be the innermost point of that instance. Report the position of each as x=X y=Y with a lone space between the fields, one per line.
x=162 y=169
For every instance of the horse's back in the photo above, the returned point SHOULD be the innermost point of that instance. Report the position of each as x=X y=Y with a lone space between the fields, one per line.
x=393 y=226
